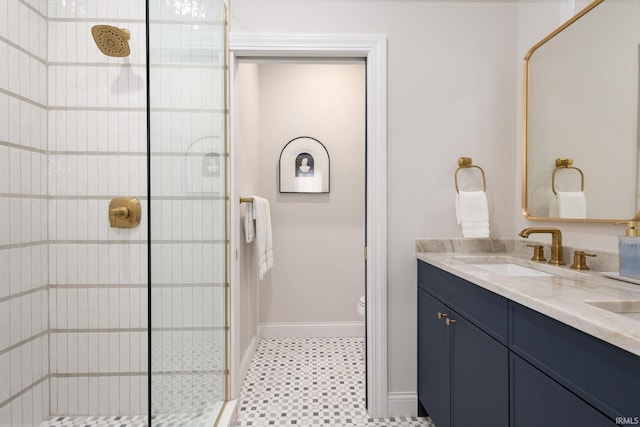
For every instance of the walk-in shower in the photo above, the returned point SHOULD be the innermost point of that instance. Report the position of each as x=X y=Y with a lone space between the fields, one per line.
x=98 y=323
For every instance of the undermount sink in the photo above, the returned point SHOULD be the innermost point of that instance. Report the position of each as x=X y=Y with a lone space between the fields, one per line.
x=503 y=265
x=510 y=269
x=629 y=309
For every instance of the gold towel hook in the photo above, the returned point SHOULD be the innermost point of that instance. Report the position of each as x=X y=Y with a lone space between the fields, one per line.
x=465 y=163
x=246 y=199
x=562 y=163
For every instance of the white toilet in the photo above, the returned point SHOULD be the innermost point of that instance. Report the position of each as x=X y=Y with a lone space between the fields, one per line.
x=361 y=308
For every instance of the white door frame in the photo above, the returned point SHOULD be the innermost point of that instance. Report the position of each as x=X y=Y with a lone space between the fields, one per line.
x=373 y=48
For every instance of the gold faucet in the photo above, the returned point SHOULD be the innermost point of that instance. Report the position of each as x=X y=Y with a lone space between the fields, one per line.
x=556 y=242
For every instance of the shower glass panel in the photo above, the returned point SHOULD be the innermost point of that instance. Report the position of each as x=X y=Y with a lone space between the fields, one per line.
x=188 y=243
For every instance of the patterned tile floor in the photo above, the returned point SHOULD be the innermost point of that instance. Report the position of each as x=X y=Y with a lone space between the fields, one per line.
x=309 y=382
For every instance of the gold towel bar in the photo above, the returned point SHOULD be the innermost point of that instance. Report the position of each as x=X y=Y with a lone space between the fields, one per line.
x=465 y=163
x=565 y=164
x=246 y=199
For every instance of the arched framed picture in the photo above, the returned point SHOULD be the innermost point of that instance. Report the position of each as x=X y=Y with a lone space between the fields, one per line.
x=304 y=166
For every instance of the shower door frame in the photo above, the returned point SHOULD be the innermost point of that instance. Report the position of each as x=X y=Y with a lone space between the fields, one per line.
x=372 y=48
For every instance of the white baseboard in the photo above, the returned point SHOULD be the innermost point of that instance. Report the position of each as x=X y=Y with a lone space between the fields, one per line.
x=402 y=404
x=247 y=358
x=297 y=330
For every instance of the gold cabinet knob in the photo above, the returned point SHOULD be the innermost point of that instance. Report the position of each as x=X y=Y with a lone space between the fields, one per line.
x=441 y=315
x=580 y=260
x=449 y=322
x=538 y=253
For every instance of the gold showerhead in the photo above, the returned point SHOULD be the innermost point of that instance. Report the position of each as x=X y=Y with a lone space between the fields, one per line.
x=112 y=41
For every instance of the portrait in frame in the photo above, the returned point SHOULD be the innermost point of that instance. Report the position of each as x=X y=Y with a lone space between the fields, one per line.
x=304 y=166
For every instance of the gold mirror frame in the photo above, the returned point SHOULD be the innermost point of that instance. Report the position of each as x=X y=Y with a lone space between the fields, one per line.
x=525 y=84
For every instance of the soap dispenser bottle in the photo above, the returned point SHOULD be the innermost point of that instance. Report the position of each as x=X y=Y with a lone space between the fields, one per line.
x=629 y=251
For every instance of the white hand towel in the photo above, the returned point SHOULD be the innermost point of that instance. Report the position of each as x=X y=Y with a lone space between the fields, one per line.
x=475 y=229
x=571 y=204
x=264 y=249
x=472 y=213
x=249 y=226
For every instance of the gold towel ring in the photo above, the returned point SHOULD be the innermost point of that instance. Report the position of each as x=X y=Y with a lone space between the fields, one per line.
x=465 y=163
x=565 y=164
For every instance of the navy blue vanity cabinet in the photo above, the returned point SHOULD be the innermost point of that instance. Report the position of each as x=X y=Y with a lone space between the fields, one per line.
x=606 y=378
x=503 y=364
x=537 y=400
x=463 y=371
x=479 y=377
x=434 y=379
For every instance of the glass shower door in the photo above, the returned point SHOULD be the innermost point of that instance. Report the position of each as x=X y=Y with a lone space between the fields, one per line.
x=188 y=237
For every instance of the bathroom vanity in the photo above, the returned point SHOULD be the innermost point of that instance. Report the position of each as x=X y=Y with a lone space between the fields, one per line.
x=504 y=341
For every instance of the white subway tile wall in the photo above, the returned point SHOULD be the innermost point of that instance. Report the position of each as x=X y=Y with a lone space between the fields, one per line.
x=96 y=151
x=72 y=135
x=24 y=337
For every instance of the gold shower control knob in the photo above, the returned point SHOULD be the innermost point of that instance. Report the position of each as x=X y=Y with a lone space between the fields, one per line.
x=120 y=212
x=124 y=212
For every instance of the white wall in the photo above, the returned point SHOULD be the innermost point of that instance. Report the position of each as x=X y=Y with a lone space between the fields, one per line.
x=451 y=92
x=318 y=239
x=246 y=158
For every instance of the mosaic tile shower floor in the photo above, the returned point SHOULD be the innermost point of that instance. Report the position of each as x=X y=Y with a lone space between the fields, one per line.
x=202 y=419
x=186 y=374
x=310 y=382
x=184 y=383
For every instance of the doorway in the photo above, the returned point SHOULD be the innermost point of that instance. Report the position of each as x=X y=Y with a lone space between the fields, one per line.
x=372 y=49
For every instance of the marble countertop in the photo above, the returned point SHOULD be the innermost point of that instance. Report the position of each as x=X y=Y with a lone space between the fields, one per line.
x=564 y=296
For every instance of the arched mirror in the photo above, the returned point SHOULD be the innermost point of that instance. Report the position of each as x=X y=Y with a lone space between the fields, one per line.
x=580 y=123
